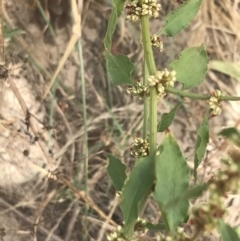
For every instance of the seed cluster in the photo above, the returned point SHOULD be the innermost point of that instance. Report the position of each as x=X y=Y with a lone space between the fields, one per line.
x=149 y=7
x=215 y=103
x=206 y=216
x=161 y=80
x=140 y=147
x=139 y=229
x=180 y=235
x=117 y=235
x=140 y=226
x=227 y=180
x=157 y=42
x=139 y=90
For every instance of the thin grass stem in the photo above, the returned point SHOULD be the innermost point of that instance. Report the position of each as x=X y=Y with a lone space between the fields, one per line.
x=85 y=136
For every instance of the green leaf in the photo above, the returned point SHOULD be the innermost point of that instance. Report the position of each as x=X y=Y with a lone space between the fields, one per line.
x=191 y=67
x=172 y=174
x=232 y=134
x=228 y=68
x=201 y=143
x=136 y=190
x=237 y=229
x=155 y=227
x=13 y=33
x=118 y=6
x=181 y=18
x=167 y=118
x=117 y=172
x=120 y=68
x=227 y=232
x=194 y=192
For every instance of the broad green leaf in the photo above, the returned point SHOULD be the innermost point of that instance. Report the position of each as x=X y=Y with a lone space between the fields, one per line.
x=120 y=68
x=228 y=68
x=228 y=233
x=191 y=67
x=117 y=172
x=136 y=189
x=232 y=134
x=201 y=143
x=167 y=118
x=172 y=179
x=118 y=6
x=181 y=18
x=194 y=192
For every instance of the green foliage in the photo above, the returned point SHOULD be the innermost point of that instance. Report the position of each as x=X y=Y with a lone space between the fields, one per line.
x=181 y=18
x=167 y=118
x=201 y=143
x=166 y=174
x=12 y=33
x=232 y=134
x=155 y=227
x=135 y=192
x=118 y=6
x=191 y=67
x=117 y=172
x=228 y=68
x=189 y=194
x=228 y=233
x=172 y=178
x=120 y=68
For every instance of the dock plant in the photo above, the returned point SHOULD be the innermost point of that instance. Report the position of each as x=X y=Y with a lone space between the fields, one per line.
x=161 y=170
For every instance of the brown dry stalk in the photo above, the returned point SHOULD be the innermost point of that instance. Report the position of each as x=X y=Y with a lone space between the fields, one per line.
x=26 y=113
x=2 y=59
x=87 y=199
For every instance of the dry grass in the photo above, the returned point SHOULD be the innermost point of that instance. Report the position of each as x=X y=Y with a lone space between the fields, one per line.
x=113 y=116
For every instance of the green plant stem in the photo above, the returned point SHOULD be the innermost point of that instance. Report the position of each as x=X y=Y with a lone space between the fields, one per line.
x=148 y=55
x=190 y=95
x=47 y=20
x=229 y=98
x=146 y=103
x=187 y=94
x=149 y=59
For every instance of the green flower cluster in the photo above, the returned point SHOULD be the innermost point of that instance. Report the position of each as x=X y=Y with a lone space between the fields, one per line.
x=139 y=90
x=157 y=42
x=205 y=217
x=149 y=7
x=117 y=235
x=180 y=235
x=139 y=229
x=161 y=80
x=140 y=147
x=215 y=103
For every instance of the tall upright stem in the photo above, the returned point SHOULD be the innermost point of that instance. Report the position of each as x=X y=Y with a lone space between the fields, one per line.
x=148 y=55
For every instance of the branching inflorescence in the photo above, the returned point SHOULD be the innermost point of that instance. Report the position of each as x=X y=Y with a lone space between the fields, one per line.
x=204 y=217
